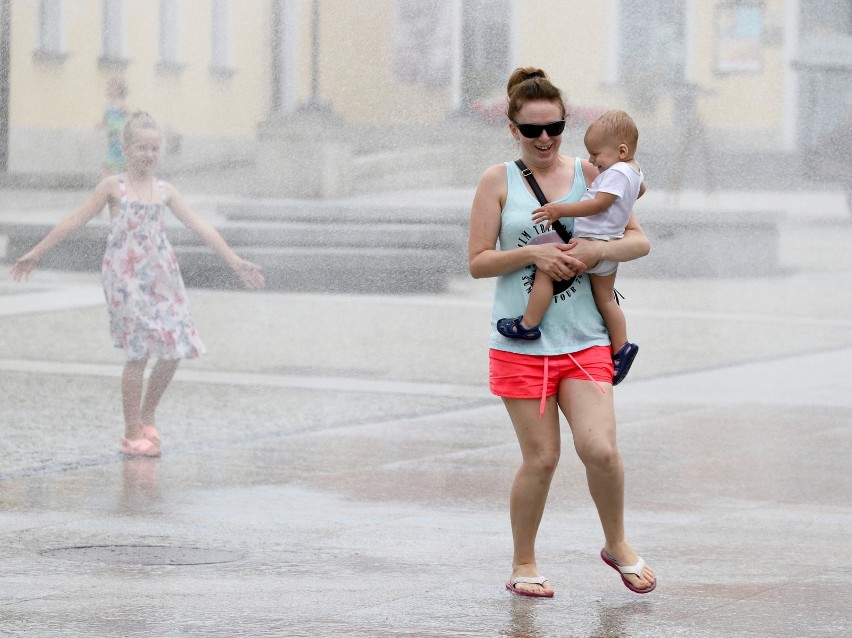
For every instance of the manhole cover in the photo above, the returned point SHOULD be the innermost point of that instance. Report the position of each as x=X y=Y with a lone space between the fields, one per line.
x=143 y=555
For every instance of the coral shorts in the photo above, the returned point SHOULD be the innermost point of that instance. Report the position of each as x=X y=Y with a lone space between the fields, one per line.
x=527 y=376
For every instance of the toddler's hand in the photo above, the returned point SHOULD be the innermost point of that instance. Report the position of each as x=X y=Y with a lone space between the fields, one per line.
x=546 y=213
x=249 y=273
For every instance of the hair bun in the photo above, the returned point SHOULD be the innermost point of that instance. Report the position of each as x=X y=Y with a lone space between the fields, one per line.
x=523 y=74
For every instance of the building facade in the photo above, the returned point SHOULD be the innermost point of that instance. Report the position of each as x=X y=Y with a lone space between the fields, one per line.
x=763 y=75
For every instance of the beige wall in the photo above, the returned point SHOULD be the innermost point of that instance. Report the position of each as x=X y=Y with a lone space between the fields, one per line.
x=356 y=71
x=71 y=93
x=570 y=39
x=573 y=52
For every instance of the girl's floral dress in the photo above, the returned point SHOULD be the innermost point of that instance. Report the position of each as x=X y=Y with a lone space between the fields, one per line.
x=148 y=310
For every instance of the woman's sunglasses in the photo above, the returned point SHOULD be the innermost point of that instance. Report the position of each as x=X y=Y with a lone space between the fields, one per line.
x=534 y=130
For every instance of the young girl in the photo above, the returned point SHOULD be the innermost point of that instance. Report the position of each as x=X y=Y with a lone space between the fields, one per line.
x=146 y=299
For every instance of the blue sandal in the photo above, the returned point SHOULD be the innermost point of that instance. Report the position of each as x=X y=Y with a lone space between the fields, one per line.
x=513 y=329
x=623 y=359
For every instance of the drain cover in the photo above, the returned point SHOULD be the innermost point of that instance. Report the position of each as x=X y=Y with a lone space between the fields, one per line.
x=143 y=555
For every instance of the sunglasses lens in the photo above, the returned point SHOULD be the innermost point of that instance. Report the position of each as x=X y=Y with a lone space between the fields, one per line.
x=534 y=130
x=530 y=130
x=555 y=128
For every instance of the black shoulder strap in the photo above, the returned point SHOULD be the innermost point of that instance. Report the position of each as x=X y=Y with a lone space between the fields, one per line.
x=558 y=226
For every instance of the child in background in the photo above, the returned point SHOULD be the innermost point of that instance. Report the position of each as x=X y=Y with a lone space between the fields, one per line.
x=146 y=299
x=113 y=121
x=601 y=214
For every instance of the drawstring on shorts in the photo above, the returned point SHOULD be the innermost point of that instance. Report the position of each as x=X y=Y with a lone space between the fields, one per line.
x=543 y=389
x=544 y=382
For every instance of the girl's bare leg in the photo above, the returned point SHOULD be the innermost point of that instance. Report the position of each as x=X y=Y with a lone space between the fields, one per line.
x=603 y=290
x=540 y=297
x=539 y=439
x=132 y=379
x=591 y=416
x=161 y=376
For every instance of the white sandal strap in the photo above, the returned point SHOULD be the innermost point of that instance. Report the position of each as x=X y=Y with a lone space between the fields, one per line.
x=633 y=569
x=528 y=580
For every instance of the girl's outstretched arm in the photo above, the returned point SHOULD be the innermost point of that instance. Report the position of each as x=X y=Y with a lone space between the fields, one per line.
x=248 y=272
x=104 y=192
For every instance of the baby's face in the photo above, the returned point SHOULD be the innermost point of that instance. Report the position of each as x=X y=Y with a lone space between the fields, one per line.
x=603 y=152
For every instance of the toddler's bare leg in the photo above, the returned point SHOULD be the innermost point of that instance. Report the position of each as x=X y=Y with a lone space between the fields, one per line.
x=131 y=396
x=540 y=298
x=603 y=290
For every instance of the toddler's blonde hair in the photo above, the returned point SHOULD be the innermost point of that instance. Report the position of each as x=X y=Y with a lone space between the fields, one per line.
x=618 y=127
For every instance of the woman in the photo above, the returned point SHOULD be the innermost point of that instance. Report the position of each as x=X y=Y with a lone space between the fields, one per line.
x=570 y=367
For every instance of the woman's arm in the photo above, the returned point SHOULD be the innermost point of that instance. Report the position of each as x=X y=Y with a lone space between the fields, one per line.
x=248 y=272
x=484 y=260
x=93 y=205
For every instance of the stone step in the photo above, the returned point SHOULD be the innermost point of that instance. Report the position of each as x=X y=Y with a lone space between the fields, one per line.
x=387 y=209
x=313 y=269
x=339 y=256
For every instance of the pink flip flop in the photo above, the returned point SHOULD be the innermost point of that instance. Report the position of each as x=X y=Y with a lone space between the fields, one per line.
x=528 y=580
x=631 y=569
x=139 y=447
x=150 y=432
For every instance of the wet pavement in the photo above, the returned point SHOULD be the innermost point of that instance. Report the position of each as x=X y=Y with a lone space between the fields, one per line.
x=335 y=466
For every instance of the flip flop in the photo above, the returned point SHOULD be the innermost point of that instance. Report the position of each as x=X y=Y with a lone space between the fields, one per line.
x=150 y=432
x=139 y=447
x=636 y=570
x=528 y=580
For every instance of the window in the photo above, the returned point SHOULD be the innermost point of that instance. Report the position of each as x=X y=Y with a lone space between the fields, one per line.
x=657 y=49
x=169 y=43
x=112 y=38
x=486 y=47
x=220 y=44
x=422 y=48
x=651 y=59
x=51 y=46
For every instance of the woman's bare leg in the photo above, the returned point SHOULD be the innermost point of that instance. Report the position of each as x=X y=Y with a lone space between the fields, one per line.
x=591 y=416
x=539 y=439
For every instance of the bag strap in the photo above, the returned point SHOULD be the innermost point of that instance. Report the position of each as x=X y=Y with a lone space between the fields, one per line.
x=558 y=226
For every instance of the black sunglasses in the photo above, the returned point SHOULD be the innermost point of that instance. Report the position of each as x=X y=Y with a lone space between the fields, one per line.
x=534 y=130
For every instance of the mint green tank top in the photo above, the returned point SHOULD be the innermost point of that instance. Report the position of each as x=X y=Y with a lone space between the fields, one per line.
x=572 y=322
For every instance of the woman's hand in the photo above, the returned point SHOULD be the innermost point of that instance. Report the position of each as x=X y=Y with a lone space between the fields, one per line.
x=587 y=251
x=558 y=260
x=249 y=273
x=24 y=266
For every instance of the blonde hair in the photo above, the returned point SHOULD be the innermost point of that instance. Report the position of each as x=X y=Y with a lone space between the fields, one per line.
x=139 y=120
x=619 y=128
x=527 y=84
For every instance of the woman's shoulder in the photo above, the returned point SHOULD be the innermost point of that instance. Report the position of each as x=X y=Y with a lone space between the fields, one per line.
x=494 y=176
x=111 y=185
x=589 y=171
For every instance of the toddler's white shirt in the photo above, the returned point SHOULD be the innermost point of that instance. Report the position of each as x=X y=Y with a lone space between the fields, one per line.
x=621 y=180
